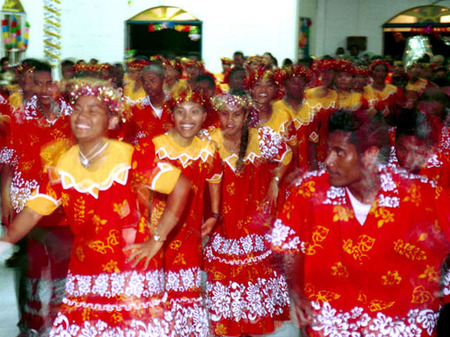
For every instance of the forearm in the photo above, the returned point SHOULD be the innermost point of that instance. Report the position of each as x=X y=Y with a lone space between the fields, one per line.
x=214 y=192
x=175 y=205
x=22 y=224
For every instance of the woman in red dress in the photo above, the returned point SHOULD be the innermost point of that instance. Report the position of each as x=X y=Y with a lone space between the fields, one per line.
x=96 y=182
x=246 y=294
x=200 y=162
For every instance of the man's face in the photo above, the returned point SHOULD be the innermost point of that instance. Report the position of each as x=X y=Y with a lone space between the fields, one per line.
x=152 y=84
x=43 y=85
x=412 y=153
x=343 y=163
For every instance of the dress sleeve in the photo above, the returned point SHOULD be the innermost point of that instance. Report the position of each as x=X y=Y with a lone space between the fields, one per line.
x=147 y=172
x=216 y=172
x=47 y=197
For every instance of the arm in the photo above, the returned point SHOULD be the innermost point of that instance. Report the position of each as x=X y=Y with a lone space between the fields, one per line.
x=270 y=200
x=294 y=269
x=22 y=224
x=208 y=225
x=7 y=210
x=175 y=205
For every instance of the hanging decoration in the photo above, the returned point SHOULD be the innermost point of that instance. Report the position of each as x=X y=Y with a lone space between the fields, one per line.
x=52 y=31
x=12 y=35
x=194 y=31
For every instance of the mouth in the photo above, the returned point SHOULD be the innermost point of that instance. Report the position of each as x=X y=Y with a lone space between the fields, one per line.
x=187 y=127
x=82 y=126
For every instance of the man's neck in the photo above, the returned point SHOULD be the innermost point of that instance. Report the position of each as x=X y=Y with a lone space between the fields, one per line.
x=366 y=190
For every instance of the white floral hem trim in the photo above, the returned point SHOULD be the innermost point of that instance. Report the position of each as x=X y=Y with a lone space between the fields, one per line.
x=116 y=284
x=267 y=297
x=356 y=322
x=153 y=327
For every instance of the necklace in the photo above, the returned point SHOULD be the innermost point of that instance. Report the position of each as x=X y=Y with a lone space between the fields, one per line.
x=53 y=108
x=86 y=159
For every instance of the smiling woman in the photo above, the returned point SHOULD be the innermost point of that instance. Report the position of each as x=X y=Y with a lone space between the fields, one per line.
x=97 y=183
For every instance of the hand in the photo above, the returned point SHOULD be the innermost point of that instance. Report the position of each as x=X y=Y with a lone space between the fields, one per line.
x=208 y=226
x=143 y=251
x=303 y=312
x=7 y=212
x=270 y=201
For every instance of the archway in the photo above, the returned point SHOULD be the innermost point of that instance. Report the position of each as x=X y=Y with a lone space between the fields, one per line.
x=430 y=21
x=164 y=30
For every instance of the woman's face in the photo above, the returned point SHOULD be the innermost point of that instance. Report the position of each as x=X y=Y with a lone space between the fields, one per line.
x=344 y=81
x=379 y=73
x=89 y=120
x=171 y=74
x=232 y=120
x=264 y=91
x=188 y=118
x=295 y=86
x=359 y=82
x=327 y=78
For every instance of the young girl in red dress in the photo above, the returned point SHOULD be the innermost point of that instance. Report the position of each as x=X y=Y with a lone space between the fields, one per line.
x=246 y=294
x=200 y=162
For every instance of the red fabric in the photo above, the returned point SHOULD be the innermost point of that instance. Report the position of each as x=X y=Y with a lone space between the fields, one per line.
x=381 y=277
x=145 y=123
x=237 y=261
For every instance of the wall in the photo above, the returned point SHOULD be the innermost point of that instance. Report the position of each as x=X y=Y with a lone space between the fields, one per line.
x=97 y=28
x=338 y=19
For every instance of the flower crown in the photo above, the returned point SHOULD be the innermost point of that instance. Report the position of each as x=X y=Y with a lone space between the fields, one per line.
x=378 y=62
x=343 y=65
x=103 y=90
x=188 y=96
x=255 y=59
x=296 y=71
x=235 y=101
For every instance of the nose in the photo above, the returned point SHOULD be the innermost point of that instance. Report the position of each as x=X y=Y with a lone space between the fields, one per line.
x=330 y=159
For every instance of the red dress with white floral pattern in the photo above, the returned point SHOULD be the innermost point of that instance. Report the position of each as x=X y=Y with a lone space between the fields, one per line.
x=381 y=278
x=200 y=162
x=105 y=295
x=246 y=293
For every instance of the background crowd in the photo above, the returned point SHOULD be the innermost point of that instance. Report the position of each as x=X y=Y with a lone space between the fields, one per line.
x=157 y=198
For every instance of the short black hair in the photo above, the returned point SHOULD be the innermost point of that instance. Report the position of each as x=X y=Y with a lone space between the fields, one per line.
x=365 y=131
x=42 y=67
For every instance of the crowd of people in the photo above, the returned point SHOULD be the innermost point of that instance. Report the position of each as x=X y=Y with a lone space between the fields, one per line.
x=157 y=198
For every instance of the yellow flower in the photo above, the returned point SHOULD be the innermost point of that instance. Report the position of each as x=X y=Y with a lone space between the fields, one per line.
x=392 y=278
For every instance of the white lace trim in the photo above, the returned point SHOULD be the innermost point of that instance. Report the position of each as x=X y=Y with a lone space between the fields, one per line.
x=153 y=327
x=184 y=158
x=116 y=284
x=236 y=251
x=119 y=174
x=356 y=322
x=264 y=298
x=183 y=280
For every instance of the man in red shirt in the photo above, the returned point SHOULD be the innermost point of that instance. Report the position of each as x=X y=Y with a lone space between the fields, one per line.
x=365 y=242
x=149 y=116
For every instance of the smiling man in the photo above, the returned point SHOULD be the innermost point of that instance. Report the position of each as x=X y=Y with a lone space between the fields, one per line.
x=365 y=243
